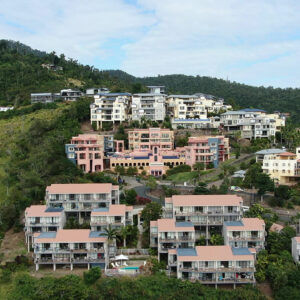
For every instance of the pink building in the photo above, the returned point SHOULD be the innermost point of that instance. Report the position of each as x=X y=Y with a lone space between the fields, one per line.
x=213 y=149
x=147 y=139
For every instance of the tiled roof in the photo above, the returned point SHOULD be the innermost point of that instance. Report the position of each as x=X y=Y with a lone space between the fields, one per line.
x=112 y=210
x=169 y=225
x=216 y=253
x=276 y=227
x=70 y=236
x=79 y=188
x=206 y=200
x=287 y=154
x=270 y=151
x=246 y=224
x=41 y=211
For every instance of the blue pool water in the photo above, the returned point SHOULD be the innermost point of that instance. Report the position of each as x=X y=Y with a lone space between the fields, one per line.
x=130 y=268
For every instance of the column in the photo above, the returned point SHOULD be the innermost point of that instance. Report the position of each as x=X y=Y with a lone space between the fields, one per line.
x=37 y=266
x=71 y=267
x=54 y=267
x=88 y=266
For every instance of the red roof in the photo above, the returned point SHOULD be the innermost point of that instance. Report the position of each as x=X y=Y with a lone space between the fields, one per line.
x=40 y=211
x=206 y=200
x=81 y=188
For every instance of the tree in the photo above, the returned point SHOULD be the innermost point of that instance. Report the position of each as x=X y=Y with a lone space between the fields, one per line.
x=123 y=233
x=199 y=167
x=110 y=233
x=120 y=170
x=132 y=171
x=152 y=212
x=217 y=239
x=130 y=197
x=91 y=276
x=282 y=191
x=151 y=183
x=264 y=183
x=201 y=189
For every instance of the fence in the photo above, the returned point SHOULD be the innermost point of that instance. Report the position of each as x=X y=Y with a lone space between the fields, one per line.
x=133 y=251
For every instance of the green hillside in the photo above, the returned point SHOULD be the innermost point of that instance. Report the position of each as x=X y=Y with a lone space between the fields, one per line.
x=240 y=95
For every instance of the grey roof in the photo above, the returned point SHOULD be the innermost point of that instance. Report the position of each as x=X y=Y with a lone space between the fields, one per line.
x=183 y=96
x=41 y=94
x=101 y=209
x=151 y=86
x=241 y=251
x=94 y=234
x=184 y=224
x=242 y=172
x=54 y=209
x=233 y=223
x=186 y=252
x=47 y=235
x=191 y=120
x=148 y=94
x=114 y=94
x=270 y=151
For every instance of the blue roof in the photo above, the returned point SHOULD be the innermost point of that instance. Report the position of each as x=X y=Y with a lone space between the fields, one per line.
x=233 y=223
x=94 y=234
x=101 y=209
x=54 y=209
x=241 y=251
x=184 y=224
x=186 y=252
x=253 y=110
x=47 y=235
x=114 y=94
x=141 y=157
x=170 y=157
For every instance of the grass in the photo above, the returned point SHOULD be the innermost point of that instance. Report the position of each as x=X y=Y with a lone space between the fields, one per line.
x=187 y=176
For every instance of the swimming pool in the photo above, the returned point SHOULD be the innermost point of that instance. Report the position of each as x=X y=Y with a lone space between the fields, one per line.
x=130 y=268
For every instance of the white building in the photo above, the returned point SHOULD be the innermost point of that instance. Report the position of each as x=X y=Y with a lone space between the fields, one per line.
x=94 y=91
x=110 y=107
x=6 y=108
x=156 y=89
x=42 y=98
x=149 y=106
x=70 y=95
x=252 y=123
x=296 y=248
x=283 y=167
x=40 y=218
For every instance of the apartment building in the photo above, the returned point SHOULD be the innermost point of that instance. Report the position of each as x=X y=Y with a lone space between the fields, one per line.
x=148 y=106
x=214 y=265
x=296 y=249
x=168 y=234
x=207 y=123
x=186 y=107
x=207 y=212
x=110 y=107
x=70 y=95
x=156 y=89
x=283 y=167
x=116 y=215
x=147 y=139
x=40 y=218
x=87 y=152
x=206 y=150
x=79 y=199
x=42 y=98
x=91 y=92
x=71 y=247
x=260 y=155
x=6 y=108
x=252 y=123
x=246 y=233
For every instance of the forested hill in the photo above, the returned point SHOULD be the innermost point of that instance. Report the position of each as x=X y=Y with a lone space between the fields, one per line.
x=21 y=73
x=270 y=99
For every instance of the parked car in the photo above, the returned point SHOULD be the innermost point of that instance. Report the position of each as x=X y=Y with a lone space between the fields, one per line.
x=236 y=189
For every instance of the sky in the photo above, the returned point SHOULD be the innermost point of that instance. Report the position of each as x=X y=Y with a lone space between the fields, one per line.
x=255 y=42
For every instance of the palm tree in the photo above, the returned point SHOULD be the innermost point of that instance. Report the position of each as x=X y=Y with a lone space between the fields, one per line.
x=110 y=233
x=124 y=233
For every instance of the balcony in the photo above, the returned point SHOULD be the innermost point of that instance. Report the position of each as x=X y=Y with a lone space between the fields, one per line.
x=186 y=238
x=166 y=239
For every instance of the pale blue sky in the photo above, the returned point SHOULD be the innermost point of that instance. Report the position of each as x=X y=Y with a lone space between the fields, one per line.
x=255 y=42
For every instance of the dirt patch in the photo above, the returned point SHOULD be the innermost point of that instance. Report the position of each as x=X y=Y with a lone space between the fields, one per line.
x=265 y=288
x=12 y=245
x=86 y=127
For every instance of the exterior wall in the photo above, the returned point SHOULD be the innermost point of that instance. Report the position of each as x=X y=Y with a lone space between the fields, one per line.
x=70 y=95
x=149 y=106
x=42 y=98
x=110 y=107
x=146 y=139
x=296 y=249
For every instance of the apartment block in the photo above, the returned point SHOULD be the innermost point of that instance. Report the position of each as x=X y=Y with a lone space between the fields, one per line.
x=116 y=216
x=207 y=212
x=40 y=218
x=42 y=98
x=147 y=139
x=156 y=89
x=186 y=107
x=91 y=92
x=296 y=249
x=79 y=199
x=252 y=123
x=180 y=123
x=260 y=155
x=148 y=106
x=70 y=95
x=207 y=149
x=214 y=265
x=110 y=107
x=283 y=167
x=246 y=233
x=168 y=234
x=71 y=247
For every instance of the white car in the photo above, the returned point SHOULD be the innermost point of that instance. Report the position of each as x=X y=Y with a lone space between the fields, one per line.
x=236 y=188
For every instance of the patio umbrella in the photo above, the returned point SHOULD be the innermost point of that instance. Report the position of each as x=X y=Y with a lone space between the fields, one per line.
x=121 y=257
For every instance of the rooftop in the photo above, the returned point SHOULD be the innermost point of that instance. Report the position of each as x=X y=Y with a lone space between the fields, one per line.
x=246 y=224
x=269 y=151
x=80 y=188
x=112 y=210
x=42 y=211
x=169 y=225
x=206 y=200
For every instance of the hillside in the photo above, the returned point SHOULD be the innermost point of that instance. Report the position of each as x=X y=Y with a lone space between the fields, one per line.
x=240 y=95
x=21 y=73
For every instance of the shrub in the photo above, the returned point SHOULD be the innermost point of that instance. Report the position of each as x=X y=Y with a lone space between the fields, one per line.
x=179 y=169
x=92 y=275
